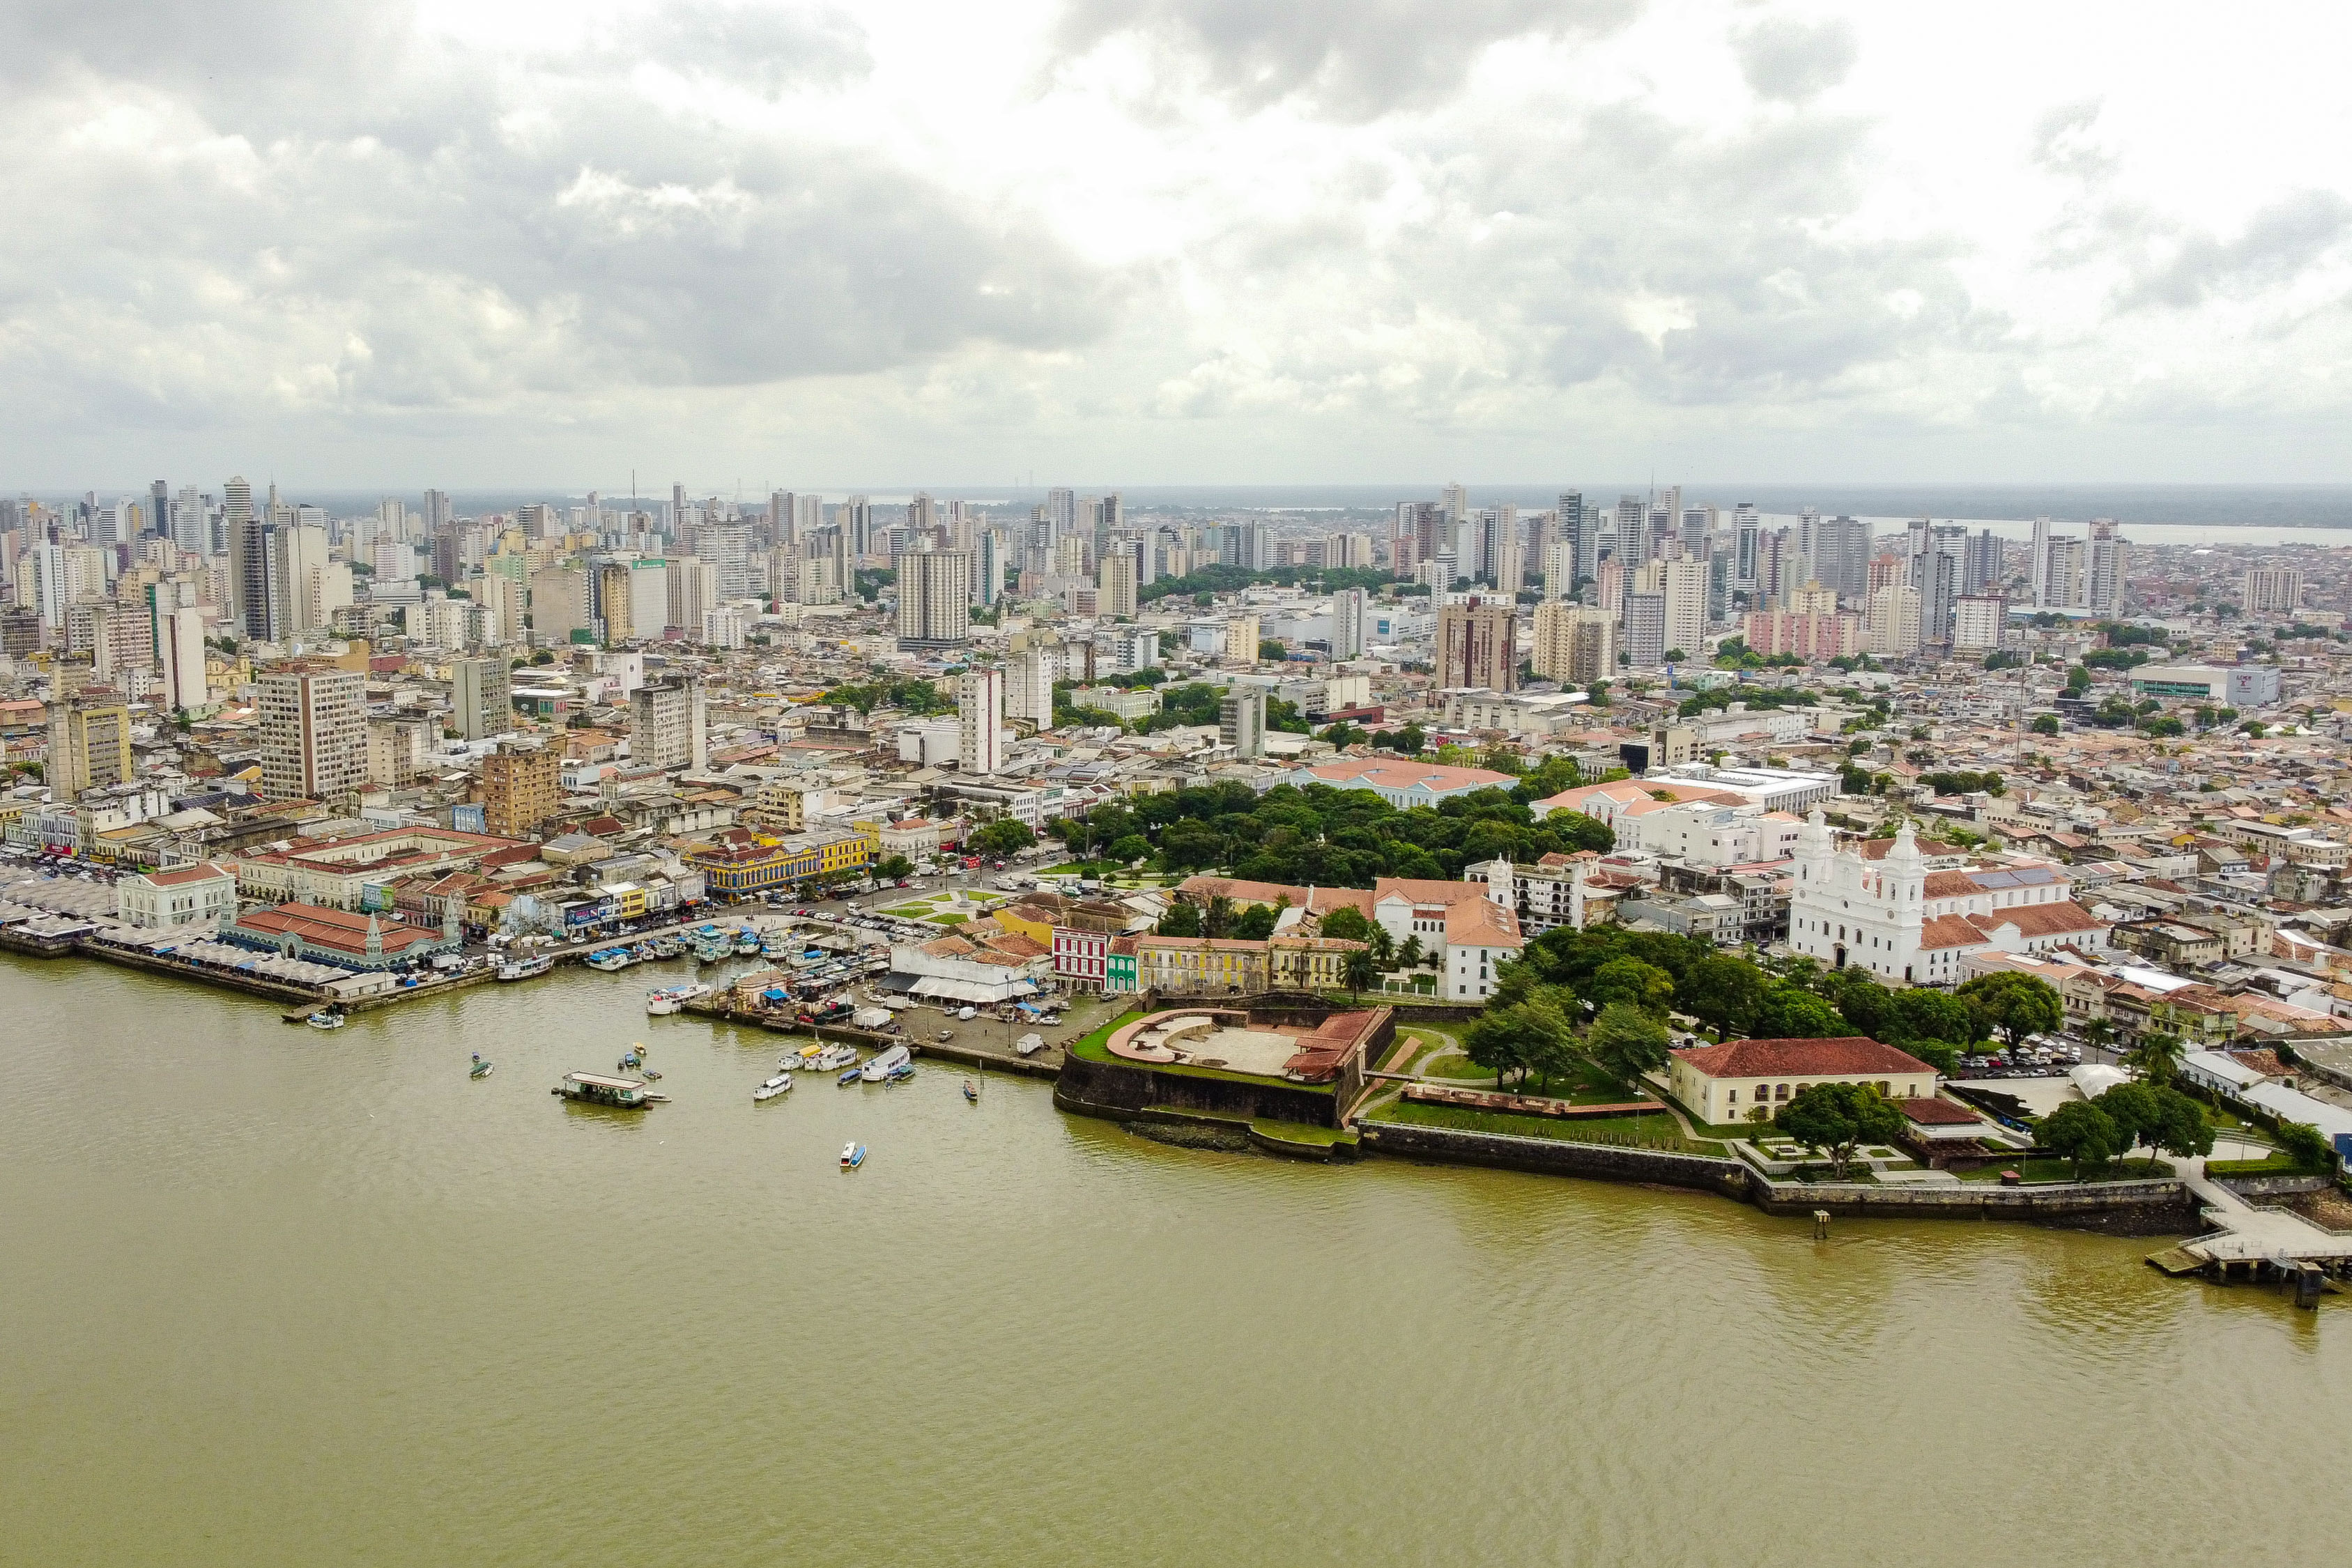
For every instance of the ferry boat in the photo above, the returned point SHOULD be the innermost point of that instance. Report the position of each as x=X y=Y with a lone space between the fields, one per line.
x=526 y=968
x=669 y=947
x=833 y=1059
x=800 y=1060
x=324 y=1020
x=748 y=944
x=669 y=999
x=595 y=1088
x=713 y=949
x=780 y=1084
x=852 y=1156
x=610 y=959
x=882 y=1065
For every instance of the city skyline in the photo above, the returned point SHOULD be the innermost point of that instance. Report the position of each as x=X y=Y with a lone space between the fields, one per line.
x=1175 y=244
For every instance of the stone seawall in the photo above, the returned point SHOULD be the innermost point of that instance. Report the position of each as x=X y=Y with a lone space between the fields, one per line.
x=2119 y=1208
x=2272 y=1186
x=1559 y=1157
x=1115 y=1089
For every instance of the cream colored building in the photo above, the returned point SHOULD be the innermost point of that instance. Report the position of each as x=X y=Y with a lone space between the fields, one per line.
x=1747 y=1080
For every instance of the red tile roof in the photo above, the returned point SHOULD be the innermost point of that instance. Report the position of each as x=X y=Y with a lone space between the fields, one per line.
x=1851 y=1055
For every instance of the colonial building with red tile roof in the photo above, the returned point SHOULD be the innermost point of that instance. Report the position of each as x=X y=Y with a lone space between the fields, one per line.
x=1747 y=1080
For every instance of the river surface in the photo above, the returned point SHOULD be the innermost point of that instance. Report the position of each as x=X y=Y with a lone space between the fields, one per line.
x=279 y=1297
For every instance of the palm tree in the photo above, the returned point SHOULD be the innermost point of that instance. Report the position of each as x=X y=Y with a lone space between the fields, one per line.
x=2155 y=1056
x=1409 y=956
x=2099 y=1033
x=1360 y=972
x=1383 y=948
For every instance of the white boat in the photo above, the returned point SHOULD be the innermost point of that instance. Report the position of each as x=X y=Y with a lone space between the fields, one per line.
x=833 y=1059
x=325 y=1020
x=879 y=1068
x=612 y=960
x=801 y=1060
x=780 y=1084
x=525 y=968
x=672 y=998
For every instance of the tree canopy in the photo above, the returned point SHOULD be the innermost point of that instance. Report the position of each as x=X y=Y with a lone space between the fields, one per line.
x=1837 y=1119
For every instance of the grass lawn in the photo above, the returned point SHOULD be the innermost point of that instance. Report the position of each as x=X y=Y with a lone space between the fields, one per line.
x=1091 y=1047
x=1635 y=1131
x=946 y=919
x=2043 y=1171
x=908 y=912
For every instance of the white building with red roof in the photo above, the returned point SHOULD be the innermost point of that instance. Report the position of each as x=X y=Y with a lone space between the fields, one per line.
x=1739 y=1078
x=1913 y=918
x=1472 y=933
x=184 y=896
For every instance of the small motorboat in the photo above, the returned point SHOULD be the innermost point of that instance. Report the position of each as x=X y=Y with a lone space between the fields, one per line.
x=652 y=1077
x=780 y=1084
x=325 y=1020
x=481 y=1068
x=971 y=1094
x=632 y=1062
x=852 y=1156
x=903 y=1073
x=852 y=1076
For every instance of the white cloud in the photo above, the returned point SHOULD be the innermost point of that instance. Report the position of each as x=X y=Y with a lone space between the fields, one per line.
x=1167 y=240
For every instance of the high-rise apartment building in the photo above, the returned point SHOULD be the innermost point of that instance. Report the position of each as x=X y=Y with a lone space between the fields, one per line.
x=1747 y=550
x=1645 y=623
x=179 y=657
x=934 y=598
x=1349 y=610
x=1574 y=645
x=483 y=693
x=979 y=712
x=1840 y=558
x=1029 y=685
x=1683 y=583
x=2271 y=591
x=314 y=733
x=1117 y=582
x=89 y=747
x=1977 y=621
x=1893 y=626
x=666 y=725
x=1936 y=575
x=1241 y=720
x=1477 y=646
x=523 y=787
x=2110 y=563
x=1981 y=562
x=692 y=590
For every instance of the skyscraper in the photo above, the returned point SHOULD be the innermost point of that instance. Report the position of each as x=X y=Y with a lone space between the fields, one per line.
x=313 y=733
x=1981 y=562
x=1574 y=645
x=1241 y=720
x=979 y=710
x=934 y=598
x=1645 y=629
x=1117 y=582
x=2110 y=561
x=483 y=694
x=1747 y=555
x=1936 y=576
x=180 y=655
x=666 y=725
x=1477 y=646
x=1348 y=608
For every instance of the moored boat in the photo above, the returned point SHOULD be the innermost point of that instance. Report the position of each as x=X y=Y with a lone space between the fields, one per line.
x=669 y=947
x=610 y=959
x=747 y=945
x=833 y=1059
x=481 y=1067
x=971 y=1094
x=800 y=1060
x=852 y=1076
x=666 y=999
x=852 y=1156
x=325 y=1020
x=595 y=1088
x=903 y=1073
x=882 y=1065
x=526 y=968
x=780 y=1084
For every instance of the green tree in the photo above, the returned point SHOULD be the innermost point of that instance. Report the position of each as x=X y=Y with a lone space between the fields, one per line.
x=1724 y=991
x=1182 y=920
x=1256 y=923
x=2079 y=1130
x=2183 y=1128
x=1410 y=955
x=2135 y=1113
x=1347 y=923
x=1627 y=1041
x=2046 y=724
x=1837 y=1119
x=2155 y=1056
x=1217 y=920
x=1634 y=982
x=894 y=867
x=1134 y=847
x=2306 y=1146
x=1857 y=994
x=1359 y=971
x=1788 y=1013
x=2015 y=1005
x=1923 y=1013
x=1003 y=836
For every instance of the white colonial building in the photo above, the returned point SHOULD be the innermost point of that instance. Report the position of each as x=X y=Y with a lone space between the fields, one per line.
x=199 y=895
x=1912 y=918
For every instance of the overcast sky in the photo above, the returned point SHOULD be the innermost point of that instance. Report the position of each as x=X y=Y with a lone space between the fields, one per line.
x=1172 y=241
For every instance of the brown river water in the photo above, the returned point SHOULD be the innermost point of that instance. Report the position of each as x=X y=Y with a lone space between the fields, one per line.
x=277 y=1296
